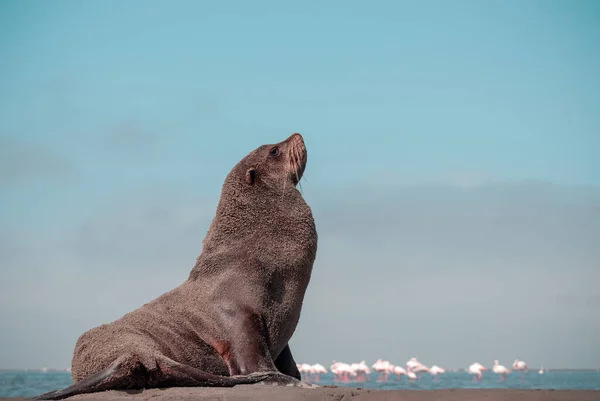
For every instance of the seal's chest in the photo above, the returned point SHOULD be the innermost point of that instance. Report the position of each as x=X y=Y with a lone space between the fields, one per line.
x=275 y=287
x=282 y=321
x=284 y=296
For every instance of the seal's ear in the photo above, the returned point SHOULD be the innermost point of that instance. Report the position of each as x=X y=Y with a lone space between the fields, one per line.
x=250 y=176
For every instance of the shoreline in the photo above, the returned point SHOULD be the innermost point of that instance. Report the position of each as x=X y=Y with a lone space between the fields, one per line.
x=275 y=393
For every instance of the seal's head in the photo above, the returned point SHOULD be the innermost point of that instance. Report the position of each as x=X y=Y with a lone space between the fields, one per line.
x=276 y=164
x=259 y=193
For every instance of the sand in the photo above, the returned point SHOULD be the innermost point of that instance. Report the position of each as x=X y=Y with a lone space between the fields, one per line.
x=254 y=392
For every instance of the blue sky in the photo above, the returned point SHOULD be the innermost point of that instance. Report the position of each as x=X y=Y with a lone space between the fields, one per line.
x=108 y=108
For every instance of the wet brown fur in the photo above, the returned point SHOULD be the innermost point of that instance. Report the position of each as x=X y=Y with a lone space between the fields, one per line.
x=240 y=305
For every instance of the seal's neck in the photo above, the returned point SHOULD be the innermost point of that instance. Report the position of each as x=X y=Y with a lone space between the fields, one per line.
x=242 y=211
x=250 y=218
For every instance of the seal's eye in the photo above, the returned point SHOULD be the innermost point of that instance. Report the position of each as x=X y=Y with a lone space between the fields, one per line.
x=274 y=151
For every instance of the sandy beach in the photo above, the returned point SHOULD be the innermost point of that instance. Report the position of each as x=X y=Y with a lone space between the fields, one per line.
x=248 y=393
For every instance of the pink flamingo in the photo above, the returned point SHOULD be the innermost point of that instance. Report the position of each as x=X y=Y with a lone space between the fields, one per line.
x=389 y=368
x=520 y=366
x=435 y=371
x=304 y=369
x=360 y=371
x=500 y=370
x=419 y=369
x=341 y=371
x=476 y=369
x=399 y=371
x=413 y=365
x=335 y=370
x=318 y=369
x=383 y=368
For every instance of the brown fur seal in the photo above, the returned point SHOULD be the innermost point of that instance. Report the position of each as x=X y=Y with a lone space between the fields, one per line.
x=230 y=322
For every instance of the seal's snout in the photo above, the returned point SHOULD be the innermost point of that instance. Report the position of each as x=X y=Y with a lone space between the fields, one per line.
x=296 y=141
x=296 y=137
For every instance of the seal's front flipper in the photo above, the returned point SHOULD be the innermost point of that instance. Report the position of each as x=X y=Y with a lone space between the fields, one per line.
x=247 y=350
x=95 y=382
x=286 y=364
x=248 y=354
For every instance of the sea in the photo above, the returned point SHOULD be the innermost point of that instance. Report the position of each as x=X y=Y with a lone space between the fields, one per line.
x=20 y=383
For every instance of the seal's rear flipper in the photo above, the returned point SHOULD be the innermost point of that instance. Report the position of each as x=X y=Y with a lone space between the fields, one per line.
x=167 y=373
x=87 y=385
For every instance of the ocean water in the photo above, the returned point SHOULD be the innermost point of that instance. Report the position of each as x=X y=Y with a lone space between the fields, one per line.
x=31 y=383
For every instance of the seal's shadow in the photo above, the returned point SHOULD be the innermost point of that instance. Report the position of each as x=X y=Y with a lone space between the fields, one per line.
x=133 y=392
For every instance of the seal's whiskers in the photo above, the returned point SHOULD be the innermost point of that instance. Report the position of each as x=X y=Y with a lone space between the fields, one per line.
x=296 y=162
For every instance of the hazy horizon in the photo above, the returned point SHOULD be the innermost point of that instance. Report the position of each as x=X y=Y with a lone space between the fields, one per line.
x=397 y=264
x=452 y=168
